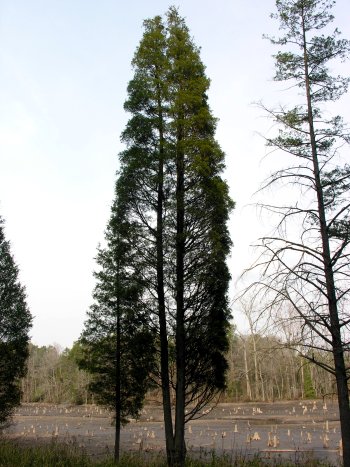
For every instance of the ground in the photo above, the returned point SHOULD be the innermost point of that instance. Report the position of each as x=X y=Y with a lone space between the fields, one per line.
x=294 y=429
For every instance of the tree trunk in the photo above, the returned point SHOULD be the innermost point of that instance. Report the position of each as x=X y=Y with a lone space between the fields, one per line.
x=263 y=397
x=164 y=351
x=180 y=448
x=246 y=370
x=117 y=382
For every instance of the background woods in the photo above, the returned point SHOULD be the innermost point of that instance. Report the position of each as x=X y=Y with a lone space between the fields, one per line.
x=53 y=376
x=261 y=368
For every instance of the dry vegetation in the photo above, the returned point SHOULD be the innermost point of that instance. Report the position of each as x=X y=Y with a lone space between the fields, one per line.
x=301 y=433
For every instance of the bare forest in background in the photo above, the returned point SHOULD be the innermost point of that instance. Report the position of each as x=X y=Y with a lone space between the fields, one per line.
x=261 y=368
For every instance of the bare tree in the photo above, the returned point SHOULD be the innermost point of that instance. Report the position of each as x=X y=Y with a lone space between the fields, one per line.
x=306 y=262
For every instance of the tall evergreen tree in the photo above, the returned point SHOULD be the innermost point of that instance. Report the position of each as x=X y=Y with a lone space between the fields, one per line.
x=117 y=342
x=15 y=322
x=146 y=165
x=180 y=203
x=311 y=272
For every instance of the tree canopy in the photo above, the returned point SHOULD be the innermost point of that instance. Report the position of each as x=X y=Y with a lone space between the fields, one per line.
x=15 y=322
x=180 y=204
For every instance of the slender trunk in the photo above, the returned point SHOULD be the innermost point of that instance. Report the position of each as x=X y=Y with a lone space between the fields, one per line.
x=289 y=386
x=117 y=381
x=302 y=378
x=280 y=388
x=246 y=370
x=257 y=372
x=262 y=385
x=180 y=448
x=293 y=372
x=337 y=344
x=256 y=375
x=163 y=335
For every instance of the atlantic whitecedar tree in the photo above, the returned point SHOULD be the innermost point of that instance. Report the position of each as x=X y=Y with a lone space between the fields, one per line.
x=117 y=342
x=15 y=323
x=311 y=273
x=172 y=170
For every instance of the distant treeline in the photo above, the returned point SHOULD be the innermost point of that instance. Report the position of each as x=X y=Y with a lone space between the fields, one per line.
x=261 y=369
x=54 y=376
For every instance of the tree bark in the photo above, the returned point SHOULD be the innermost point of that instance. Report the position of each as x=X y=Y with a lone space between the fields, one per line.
x=164 y=351
x=117 y=387
x=246 y=370
x=180 y=448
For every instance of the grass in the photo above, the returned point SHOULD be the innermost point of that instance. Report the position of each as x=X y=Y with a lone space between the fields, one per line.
x=12 y=454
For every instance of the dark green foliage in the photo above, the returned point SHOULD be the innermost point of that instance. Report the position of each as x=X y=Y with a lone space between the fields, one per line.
x=100 y=361
x=166 y=96
x=177 y=199
x=15 y=322
x=163 y=280
x=117 y=344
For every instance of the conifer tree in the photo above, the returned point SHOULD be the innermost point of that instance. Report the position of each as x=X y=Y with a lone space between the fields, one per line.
x=311 y=271
x=117 y=342
x=180 y=204
x=15 y=322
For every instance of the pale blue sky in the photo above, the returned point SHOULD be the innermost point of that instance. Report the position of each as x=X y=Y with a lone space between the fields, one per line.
x=65 y=65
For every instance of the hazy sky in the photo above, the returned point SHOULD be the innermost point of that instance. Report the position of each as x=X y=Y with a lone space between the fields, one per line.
x=65 y=65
